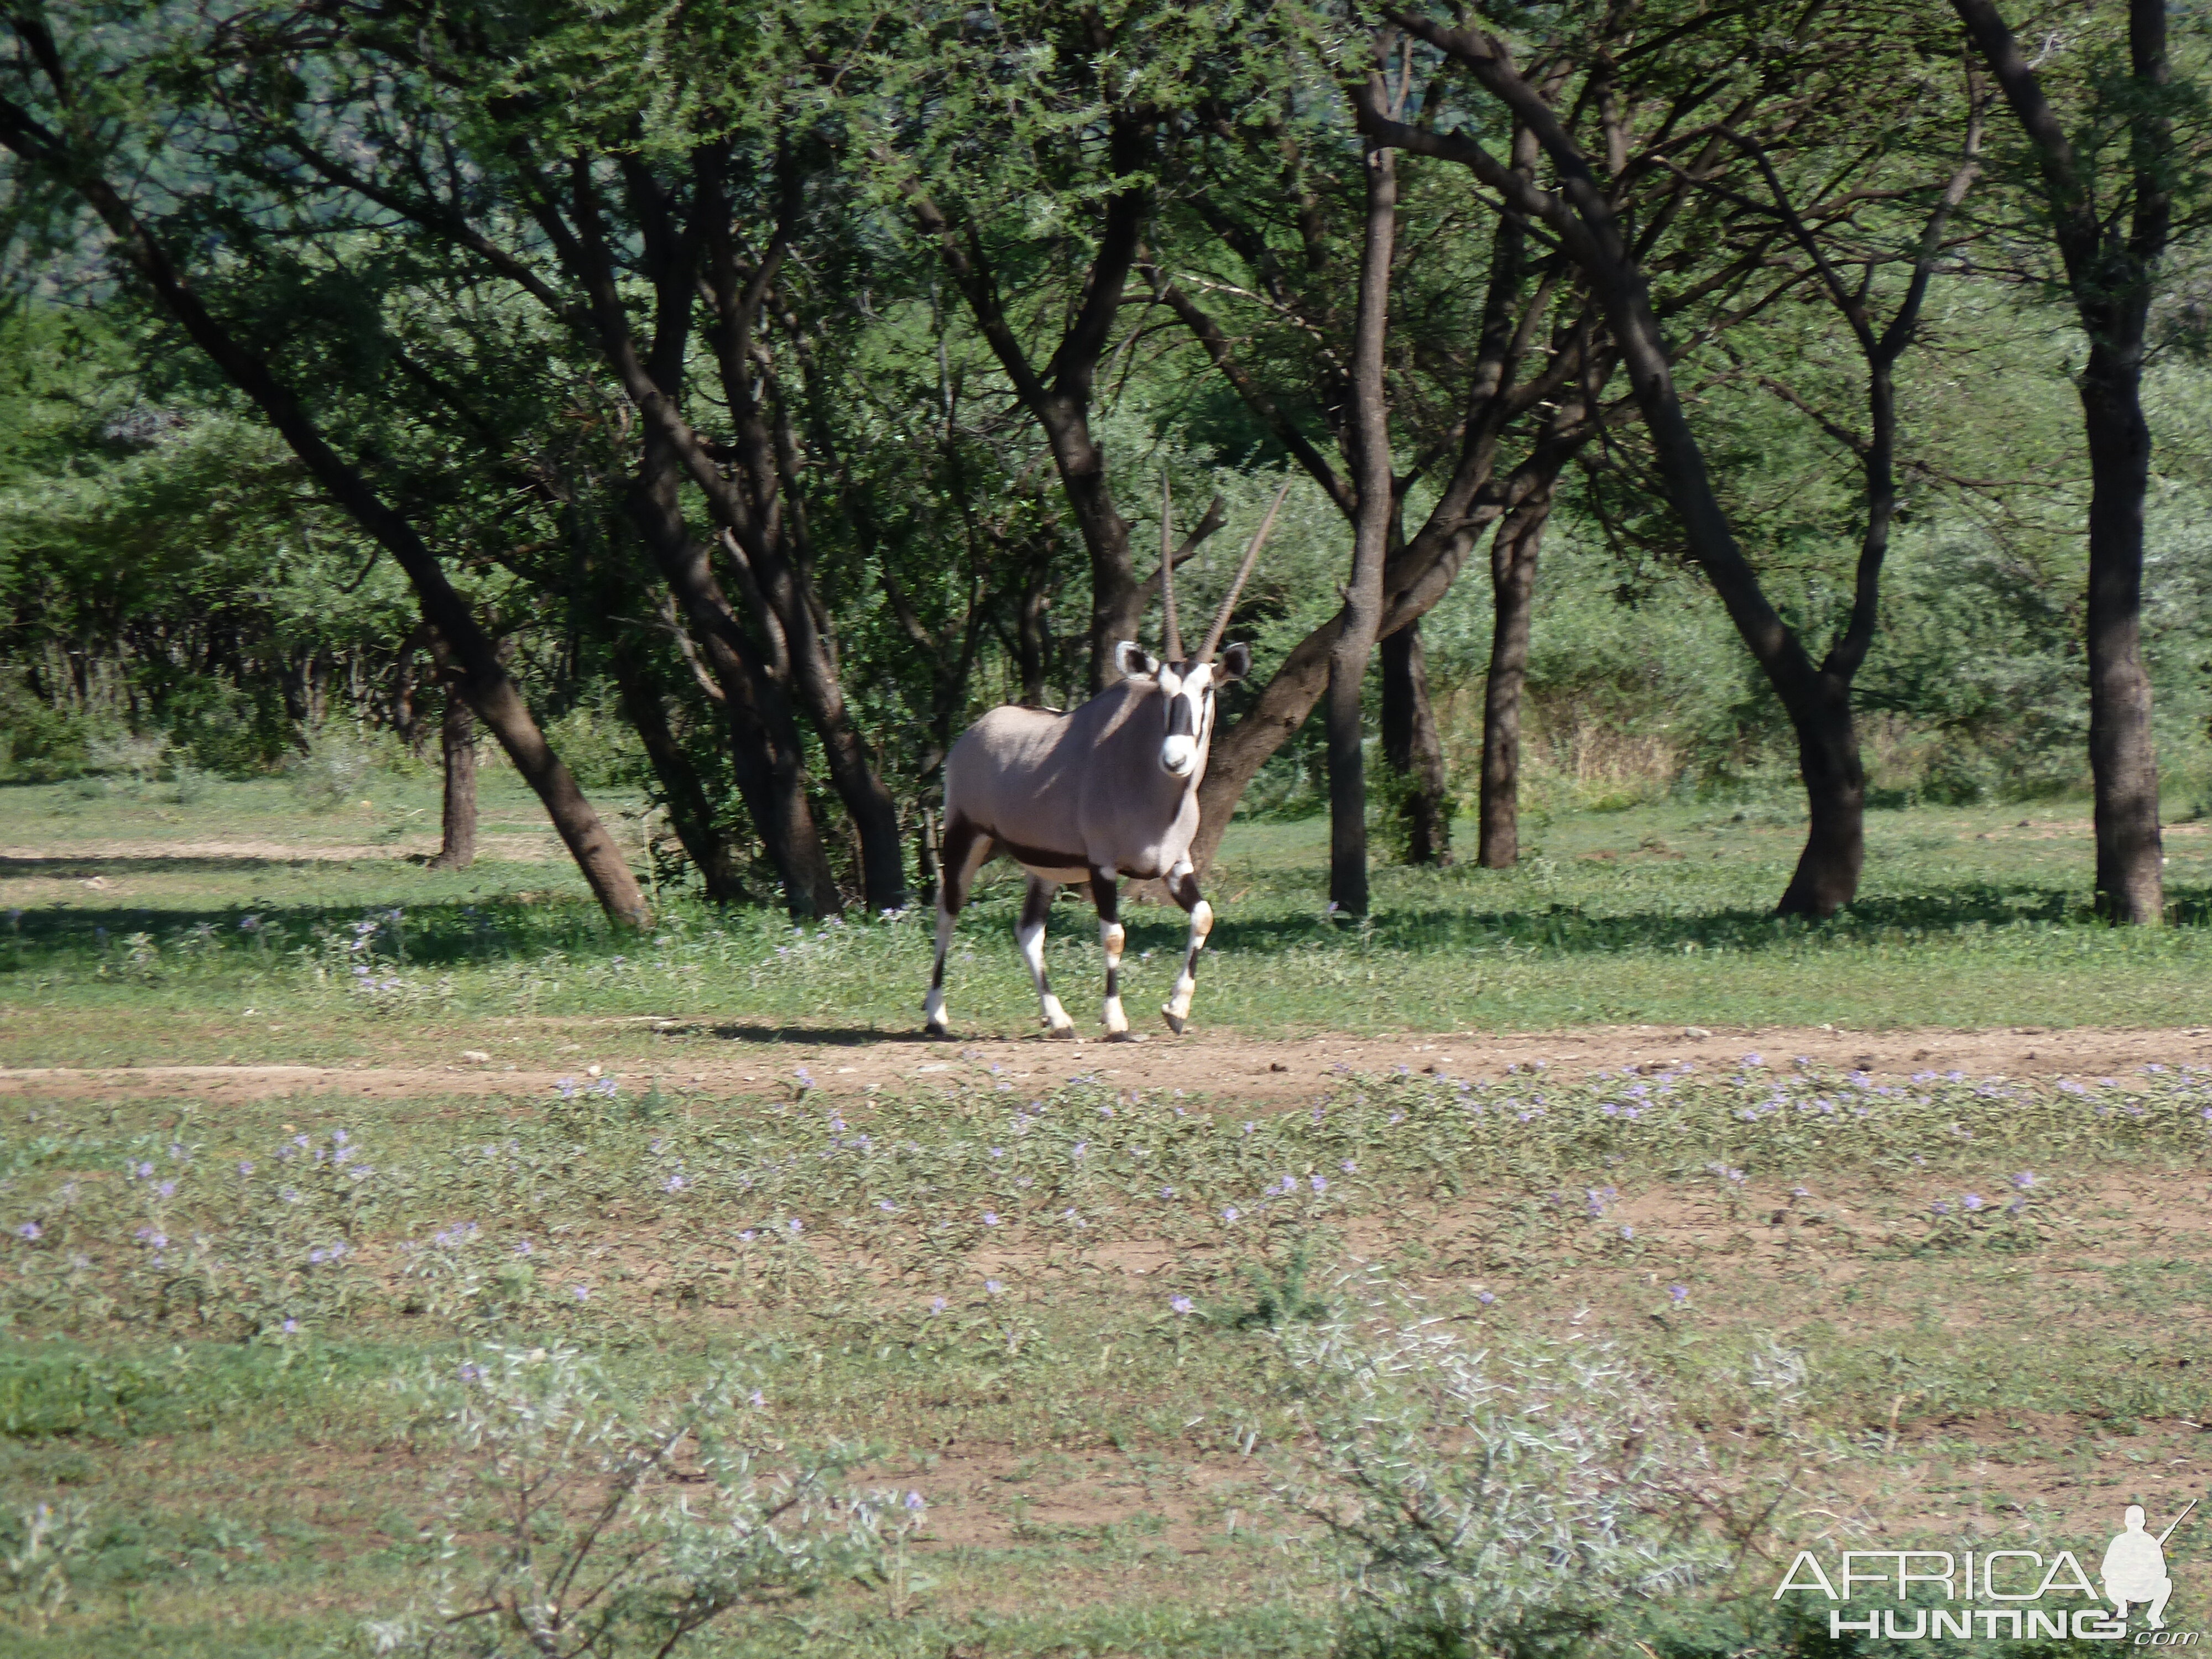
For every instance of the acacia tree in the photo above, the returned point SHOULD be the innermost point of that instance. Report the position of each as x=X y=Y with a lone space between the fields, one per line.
x=1490 y=401
x=2111 y=225
x=1692 y=137
x=1374 y=482
x=88 y=136
x=1066 y=103
x=644 y=229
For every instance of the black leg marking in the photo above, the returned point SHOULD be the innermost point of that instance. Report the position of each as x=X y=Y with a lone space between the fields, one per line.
x=1182 y=887
x=1036 y=903
x=1106 y=895
x=962 y=852
x=1030 y=937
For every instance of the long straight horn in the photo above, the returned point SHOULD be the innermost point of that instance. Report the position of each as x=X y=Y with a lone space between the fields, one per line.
x=1251 y=556
x=1167 y=570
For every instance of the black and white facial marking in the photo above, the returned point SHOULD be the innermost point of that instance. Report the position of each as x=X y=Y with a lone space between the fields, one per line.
x=1187 y=698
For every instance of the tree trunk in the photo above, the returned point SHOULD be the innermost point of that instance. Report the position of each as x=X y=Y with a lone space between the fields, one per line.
x=1347 y=779
x=712 y=850
x=1513 y=554
x=1827 y=874
x=1238 y=753
x=497 y=701
x=2123 y=760
x=1415 y=747
x=1117 y=599
x=1033 y=634
x=406 y=716
x=925 y=857
x=1376 y=484
x=2111 y=272
x=457 y=739
x=1058 y=396
x=764 y=747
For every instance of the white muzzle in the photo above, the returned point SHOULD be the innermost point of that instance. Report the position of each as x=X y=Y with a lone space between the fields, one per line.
x=1179 y=757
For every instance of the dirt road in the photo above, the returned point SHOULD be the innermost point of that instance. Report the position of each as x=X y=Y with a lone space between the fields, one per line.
x=735 y=1060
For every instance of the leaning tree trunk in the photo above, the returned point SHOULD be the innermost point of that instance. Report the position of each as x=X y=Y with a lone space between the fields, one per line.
x=1414 y=748
x=457 y=739
x=2122 y=758
x=482 y=679
x=711 y=848
x=1513 y=553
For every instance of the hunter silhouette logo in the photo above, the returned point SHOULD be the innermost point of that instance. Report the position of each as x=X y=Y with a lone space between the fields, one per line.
x=2135 y=1566
x=2022 y=1596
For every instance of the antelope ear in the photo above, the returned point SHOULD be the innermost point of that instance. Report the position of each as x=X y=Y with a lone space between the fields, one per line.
x=1132 y=663
x=1236 y=663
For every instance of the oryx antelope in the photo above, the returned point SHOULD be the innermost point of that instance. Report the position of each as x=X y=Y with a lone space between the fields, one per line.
x=1102 y=792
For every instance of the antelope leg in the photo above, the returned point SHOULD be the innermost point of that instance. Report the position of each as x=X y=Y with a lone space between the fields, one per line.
x=1182 y=887
x=962 y=853
x=1105 y=893
x=1029 y=934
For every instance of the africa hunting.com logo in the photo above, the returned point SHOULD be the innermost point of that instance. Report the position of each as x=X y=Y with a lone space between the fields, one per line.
x=2132 y=1575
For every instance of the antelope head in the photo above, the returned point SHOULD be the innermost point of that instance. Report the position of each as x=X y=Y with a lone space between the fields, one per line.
x=1186 y=690
x=1187 y=683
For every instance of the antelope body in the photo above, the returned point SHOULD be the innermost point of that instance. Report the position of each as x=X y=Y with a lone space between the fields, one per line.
x=1102 y=792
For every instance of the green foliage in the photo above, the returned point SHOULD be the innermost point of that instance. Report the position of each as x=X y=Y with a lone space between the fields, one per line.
x=599 y=748
x=43 y=742
x=1505 y=1501
x=166 y=572
x=615 y=1531
x=332 y=772
x=1277 y=1296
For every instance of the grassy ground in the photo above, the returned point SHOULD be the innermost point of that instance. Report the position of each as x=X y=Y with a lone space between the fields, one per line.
x=1956 y=1312
x=130 y=944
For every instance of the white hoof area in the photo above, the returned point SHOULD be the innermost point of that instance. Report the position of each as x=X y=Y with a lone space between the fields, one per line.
x=1067 y=1030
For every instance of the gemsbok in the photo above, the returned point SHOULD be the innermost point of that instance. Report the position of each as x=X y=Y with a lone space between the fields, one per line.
x=1094 y=794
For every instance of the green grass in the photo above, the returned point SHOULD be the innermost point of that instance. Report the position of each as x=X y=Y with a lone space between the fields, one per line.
x=193 y=1373
x=1657 y=916
x=255 y=1486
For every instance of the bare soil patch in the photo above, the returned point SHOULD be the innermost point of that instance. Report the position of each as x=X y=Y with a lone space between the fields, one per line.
x=747 y=1060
